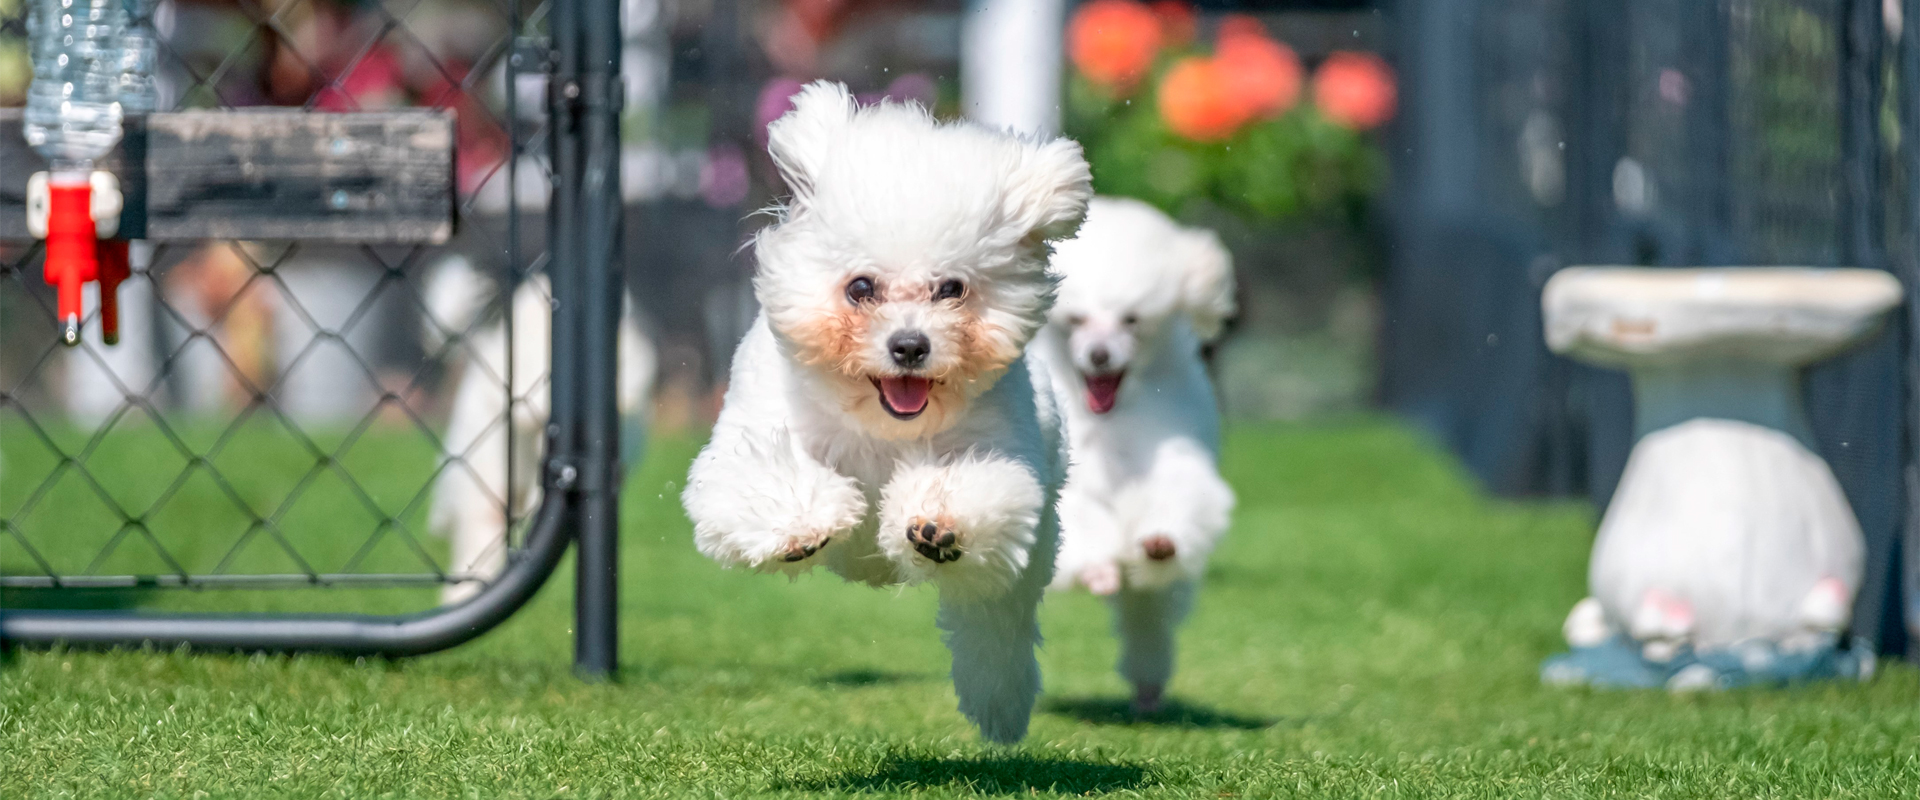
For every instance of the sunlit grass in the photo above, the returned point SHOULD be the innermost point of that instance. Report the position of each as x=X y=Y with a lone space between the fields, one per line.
x=1372 y=628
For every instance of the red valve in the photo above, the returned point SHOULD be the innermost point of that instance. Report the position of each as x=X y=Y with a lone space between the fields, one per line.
x=71 y=258
x=64 y=213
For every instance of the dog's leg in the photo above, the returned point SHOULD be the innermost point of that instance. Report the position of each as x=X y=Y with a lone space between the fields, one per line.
x=1145 y=620
x=758 y=500
x=974 y=527
x=971 y=527
x=995 y=674
x=1091 y=541
x=1181 y=511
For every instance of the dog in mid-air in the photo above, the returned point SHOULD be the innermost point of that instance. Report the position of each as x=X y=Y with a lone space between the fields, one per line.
x=1144 y=503
x=881 y=418
x=491 y=473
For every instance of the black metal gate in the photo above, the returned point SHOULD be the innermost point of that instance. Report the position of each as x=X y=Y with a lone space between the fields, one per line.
x=281 y=478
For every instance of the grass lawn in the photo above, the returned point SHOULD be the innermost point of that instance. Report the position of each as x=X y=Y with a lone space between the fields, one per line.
x=1372 y=628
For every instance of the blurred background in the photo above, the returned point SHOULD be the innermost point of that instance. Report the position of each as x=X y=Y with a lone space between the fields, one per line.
x=1244 y=148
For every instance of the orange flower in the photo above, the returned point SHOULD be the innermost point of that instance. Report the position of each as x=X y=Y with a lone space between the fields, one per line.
x=1113 y=42
x=1355 y=89
x=1263 y=75
x=1178 y=21
x=1234 y=26
x=1197 y=101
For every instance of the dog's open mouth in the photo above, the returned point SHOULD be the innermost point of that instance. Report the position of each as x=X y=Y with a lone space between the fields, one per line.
x=903 y=396
x=1101 y=391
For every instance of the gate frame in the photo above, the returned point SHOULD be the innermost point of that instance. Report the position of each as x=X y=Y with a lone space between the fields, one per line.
x=581 y=472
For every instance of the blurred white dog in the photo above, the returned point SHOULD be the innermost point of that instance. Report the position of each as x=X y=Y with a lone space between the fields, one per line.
x=1144 y=503
x=881 y=418
x=483 y=477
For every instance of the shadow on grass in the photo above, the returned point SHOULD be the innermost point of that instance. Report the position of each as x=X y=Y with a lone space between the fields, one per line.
x=1013 y=774
x=1174 y=714
x=868 y=677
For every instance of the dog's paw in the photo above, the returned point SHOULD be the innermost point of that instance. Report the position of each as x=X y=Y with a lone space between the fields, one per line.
x=794 y=553
x=1101 y=578
x=800 y=548
x=1158 y=548
x=934 y=540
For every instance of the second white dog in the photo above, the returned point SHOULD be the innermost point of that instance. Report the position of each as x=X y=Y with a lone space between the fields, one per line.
x=1144 y=503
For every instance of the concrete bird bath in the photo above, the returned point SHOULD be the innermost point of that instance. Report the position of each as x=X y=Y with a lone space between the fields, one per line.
x=1729 y=553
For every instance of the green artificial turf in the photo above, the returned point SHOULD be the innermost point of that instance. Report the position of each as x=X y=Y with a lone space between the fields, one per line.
x=1372 y=628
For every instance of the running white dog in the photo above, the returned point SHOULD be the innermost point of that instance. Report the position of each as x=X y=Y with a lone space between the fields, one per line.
x=487 y=477
x=1144 y=503
x=881 y=418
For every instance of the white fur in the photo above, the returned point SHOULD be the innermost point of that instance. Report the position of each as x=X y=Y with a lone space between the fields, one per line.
x=805 y=454
x=473 y=494
x=1146 y=291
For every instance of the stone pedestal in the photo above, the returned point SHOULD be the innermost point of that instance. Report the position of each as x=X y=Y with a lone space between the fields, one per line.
x=1727 y=531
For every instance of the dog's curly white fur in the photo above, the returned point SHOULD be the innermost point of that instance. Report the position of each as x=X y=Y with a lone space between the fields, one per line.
x=881 y=418
x=1144 y=502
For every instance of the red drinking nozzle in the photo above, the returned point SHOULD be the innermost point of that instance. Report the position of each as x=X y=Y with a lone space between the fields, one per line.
x=71 y=257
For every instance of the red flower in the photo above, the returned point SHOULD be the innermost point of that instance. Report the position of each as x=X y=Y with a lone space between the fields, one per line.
x=1178 y=21
x=1263 y=75
x=1355 y=89
x=1197 y=101
x=1113 y=42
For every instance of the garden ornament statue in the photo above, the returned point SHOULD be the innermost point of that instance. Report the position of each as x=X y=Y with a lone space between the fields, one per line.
x=1728 y=555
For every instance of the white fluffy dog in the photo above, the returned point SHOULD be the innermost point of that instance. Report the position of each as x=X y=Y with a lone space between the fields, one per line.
x=491 y=467
x=1144 y=503
x=881 y=418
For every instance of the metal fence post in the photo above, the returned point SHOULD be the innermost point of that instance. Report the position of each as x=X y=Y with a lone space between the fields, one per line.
x=587 y=38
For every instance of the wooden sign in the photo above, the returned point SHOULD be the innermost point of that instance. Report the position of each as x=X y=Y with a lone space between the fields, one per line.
x=378 y=177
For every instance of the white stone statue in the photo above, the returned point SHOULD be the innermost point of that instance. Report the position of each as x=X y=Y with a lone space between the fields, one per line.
x=1726 y=529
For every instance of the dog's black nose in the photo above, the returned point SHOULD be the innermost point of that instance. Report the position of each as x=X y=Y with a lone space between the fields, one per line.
x=1098 y=356
x=909 y=348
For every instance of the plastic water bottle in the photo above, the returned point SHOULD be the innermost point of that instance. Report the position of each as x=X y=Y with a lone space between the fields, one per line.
x=74 y=104
x=139 y=52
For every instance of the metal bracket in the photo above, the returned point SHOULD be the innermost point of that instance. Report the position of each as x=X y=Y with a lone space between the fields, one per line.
x=532 y=54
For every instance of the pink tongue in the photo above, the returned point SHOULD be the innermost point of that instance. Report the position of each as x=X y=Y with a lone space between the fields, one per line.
x=906 y=395
x=1101 y=390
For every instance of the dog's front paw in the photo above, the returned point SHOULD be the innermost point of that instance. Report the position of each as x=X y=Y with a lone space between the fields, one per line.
x=1101 y=578
x=800 y=548
x=793 y=553
x=934 y=540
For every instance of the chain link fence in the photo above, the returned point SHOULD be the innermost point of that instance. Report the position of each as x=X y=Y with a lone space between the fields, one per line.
x=298 y=407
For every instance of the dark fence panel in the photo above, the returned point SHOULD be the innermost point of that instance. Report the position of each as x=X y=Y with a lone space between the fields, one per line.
x=1734 y=132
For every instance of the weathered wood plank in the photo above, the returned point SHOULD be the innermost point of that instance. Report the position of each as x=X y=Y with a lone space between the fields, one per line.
x=267 y=174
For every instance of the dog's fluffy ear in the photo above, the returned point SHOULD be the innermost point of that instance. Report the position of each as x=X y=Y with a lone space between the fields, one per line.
x=1206 y=280
x=799 y=140
x=1048 y=192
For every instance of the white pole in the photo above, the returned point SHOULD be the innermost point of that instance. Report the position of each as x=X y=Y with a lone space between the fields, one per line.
x=1010 y=63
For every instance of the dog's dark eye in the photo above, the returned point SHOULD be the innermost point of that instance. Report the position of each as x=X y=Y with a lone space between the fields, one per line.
x=859 y=290
x=949 y=289
x=1076 y=320
x=1130 y=319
